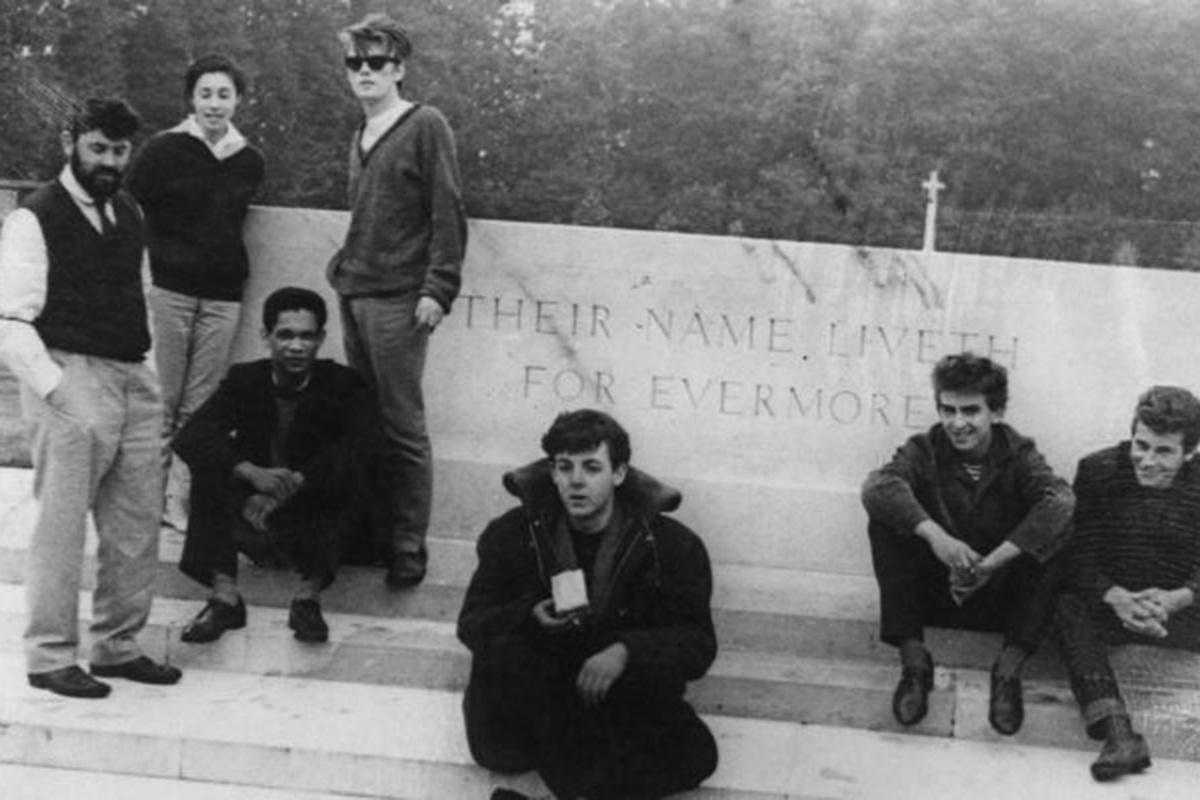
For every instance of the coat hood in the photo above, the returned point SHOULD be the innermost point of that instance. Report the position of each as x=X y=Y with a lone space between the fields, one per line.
x=641 y=493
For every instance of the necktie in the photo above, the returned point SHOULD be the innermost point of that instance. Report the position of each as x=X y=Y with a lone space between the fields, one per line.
x=106 y=226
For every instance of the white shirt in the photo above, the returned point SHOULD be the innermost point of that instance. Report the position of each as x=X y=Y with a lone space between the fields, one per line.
x=228 y=145
x=24 y=266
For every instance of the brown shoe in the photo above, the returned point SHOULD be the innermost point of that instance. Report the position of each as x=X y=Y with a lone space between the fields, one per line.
x=406 y=570
x=1006 y=707
x=213 y=620
x=910 y=703
x=141 y=669
x=1124 y=752
x=70 y=681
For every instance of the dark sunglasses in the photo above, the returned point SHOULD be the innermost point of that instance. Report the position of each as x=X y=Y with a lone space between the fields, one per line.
x=376 y=63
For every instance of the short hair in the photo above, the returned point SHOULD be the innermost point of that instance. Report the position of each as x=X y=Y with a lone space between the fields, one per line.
x=1169 y=409
x=967 y=372
x=584 y=430
x=112 y=116
x=378 y=29
x=212 y=63
x=293 y=298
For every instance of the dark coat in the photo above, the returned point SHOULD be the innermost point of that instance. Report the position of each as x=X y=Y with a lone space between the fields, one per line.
x=659 y=593
x=1018 y=498
x=334 y=424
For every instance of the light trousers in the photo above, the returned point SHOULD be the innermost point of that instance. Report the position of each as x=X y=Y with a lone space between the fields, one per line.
x=98 y=448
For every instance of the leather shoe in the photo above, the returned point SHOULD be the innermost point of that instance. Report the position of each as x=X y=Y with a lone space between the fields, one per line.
x=1124 y=751
x=406 y=570
x=910 y=703
x=140 y=669
x=1006 y=708
x=306 y=622
x=214 y=619
x=70 y=681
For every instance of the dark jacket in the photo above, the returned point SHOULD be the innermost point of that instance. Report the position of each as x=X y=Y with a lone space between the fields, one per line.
x=1018 y=497
x=1132 y=536
x=659 y=591
x=333 y=422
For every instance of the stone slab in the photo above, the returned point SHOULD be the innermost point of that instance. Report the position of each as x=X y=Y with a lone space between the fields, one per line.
x=766 y=378
x=46 y=783
x=307 y=736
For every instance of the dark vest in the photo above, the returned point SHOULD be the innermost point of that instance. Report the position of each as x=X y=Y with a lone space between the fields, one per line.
x=95 y=303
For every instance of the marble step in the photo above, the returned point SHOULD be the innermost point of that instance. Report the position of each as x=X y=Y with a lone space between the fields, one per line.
x=302 y=735
x=742 y=683
x=22 y=782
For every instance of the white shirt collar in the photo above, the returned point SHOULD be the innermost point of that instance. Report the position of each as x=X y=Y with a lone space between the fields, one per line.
x=71 y=184
x=229 y=144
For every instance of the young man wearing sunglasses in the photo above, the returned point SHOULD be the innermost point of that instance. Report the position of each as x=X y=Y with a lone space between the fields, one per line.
x=399 y=269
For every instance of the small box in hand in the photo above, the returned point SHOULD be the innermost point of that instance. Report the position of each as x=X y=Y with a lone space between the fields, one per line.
x=570 y=592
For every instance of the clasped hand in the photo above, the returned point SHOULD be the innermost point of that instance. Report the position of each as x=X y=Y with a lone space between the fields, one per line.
x=1145 y=612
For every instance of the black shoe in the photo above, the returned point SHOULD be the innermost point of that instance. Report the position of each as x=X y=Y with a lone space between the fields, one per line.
x=406 y=570
x=141 y=669
x=305 y=619
x=910 y=703
x=1006 y=708
x=214 y=619
x=1124 y=752
x=508 y=794
x=70 y=681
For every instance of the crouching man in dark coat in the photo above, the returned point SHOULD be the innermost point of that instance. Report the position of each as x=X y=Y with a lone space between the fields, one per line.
x=278 y=457
x=586 y=616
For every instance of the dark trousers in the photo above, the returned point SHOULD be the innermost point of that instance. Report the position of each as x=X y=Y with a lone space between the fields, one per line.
x=307 y=535
x=1087 y=629
x=914 y=591
x=522 y=712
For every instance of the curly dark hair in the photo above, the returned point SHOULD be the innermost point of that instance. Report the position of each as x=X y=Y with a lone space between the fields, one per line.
x=584 y=430
x=112 y=116
x=967 y=372
x=293 y=298
x=212 y=63
x=1169 y=409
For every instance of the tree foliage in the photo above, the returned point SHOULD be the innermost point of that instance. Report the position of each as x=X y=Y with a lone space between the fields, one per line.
x=1063 y=128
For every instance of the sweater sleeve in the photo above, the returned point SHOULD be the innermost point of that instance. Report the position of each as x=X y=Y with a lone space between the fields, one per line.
x=1046 y=527
x=448 y=221
x=1086 y=565
x=205 y=442
x=889 y=493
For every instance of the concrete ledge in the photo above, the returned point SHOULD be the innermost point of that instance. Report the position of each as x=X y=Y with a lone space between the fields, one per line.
x=320 y=736
x=47 y=783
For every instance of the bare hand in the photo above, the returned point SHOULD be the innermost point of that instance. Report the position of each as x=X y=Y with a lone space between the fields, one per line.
x=279 y=482
x=958 y=556
x=600 y=672
x=1136 y=613
x=429 y=314
x=543 y=612
x=258 y=507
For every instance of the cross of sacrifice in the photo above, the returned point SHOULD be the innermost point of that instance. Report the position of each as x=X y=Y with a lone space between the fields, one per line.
x=931 y=187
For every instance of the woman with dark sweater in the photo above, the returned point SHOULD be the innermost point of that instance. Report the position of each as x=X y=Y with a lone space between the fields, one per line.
x=195 y=182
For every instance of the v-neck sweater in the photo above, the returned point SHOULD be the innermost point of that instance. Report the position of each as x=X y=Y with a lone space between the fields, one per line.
x=408 y=227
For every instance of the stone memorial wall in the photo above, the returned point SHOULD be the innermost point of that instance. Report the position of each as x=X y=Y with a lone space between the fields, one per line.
x=763 y=378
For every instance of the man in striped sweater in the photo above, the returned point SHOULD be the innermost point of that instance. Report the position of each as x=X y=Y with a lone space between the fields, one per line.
x=1134 y=564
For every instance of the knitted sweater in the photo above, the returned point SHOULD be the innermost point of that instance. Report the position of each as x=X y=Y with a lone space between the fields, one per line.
x=195 y=206
x=408 y=228
x=1133 y=536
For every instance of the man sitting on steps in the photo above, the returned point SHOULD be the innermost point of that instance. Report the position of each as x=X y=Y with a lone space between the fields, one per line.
x=586 y=616
x=277 y=456
x=1133 y=567
x=963 y=521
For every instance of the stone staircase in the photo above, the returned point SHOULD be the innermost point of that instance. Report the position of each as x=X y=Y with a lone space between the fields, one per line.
x=799 y=698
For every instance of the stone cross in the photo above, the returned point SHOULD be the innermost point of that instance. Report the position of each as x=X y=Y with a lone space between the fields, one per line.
x=931 y=187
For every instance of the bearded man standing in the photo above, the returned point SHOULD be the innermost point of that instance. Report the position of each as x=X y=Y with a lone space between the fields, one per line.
x=74 y=330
